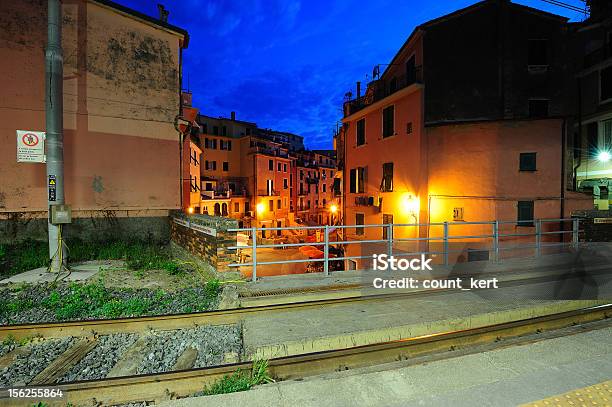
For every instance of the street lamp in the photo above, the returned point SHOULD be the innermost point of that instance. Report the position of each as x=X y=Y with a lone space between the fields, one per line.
x=333 y=209
x=604 y=156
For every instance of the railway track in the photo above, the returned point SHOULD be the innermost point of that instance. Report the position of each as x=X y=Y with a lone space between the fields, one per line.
x=184 y=380
x=161 y=386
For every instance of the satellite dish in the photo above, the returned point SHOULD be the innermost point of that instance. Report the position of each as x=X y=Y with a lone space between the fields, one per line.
x=376 y=72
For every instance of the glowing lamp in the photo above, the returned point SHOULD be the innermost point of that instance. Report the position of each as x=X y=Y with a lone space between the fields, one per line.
x=410 y=204
x=190 y=210
x=260 y=208
x=604 y=156
x=333 y=208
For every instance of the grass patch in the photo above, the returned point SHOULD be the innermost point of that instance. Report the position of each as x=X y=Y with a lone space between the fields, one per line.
x=240 y=380
x=94 y=300
x=140 y=257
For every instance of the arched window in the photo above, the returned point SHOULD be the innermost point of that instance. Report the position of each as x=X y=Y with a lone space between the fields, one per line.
x=217 y=209
x=224 y=209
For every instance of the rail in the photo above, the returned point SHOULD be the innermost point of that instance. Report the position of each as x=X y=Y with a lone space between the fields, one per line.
x=496 y=235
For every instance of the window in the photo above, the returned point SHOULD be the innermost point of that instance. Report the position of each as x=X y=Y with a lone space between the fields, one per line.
x=209 y=186
x=324 y=188
x=524 y=213
x=247 y=206
x=357 y=180
x=271 y=165
x=386 y=220
x=224 y=131
x=392 y=85
x=237 y=207
x=271 y=205
x=270 y=186
x=204 y=128
x=278 y=167
x=301 y=175
x=229 y=145
x=605 y=142
x=317 y=188
x=359 y=219
x=308 y=204
x=248 y=131
x=213 y=144
x=592 y=142
x=216 y=130
x=278 y=204
x=285 y=183
x=206 y=143
x=225 y=145
x=225 y=166
x=284 y=167
x=411 y=71
x=361 y=132
x=538 y=107
x=457 y=214
x=386 y=185
x=409 y=128
x=605 y=83
x=388 y=125
x=538 y=52
x=527 y=162
x=210 y=165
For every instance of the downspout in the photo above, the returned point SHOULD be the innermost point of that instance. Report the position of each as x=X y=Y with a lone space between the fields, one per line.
x=180 y=133
x=575 y=169
x=563 y=158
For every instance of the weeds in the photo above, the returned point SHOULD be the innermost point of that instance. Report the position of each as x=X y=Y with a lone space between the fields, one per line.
x=241 y=381
x=138 y=256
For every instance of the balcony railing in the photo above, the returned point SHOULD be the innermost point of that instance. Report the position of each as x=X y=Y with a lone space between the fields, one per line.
x=268 y=192
x=380 y=89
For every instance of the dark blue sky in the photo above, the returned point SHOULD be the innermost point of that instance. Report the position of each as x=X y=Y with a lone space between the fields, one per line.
x=286 y=64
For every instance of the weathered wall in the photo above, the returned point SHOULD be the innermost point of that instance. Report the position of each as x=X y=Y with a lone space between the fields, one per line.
x=212 y=249
x=121 y=94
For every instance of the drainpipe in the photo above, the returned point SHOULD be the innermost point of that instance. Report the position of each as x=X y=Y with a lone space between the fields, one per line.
x=180 y=94
x=563 y=158
x=54 y=121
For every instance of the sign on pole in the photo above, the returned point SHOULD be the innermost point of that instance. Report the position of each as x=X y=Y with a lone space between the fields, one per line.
x=31 y=146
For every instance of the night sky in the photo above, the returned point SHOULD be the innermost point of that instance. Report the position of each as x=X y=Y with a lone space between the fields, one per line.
x=286 y=64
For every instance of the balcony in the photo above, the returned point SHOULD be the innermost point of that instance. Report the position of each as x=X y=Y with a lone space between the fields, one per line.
x=380 y=89
x=266 y=192
x=269 y=151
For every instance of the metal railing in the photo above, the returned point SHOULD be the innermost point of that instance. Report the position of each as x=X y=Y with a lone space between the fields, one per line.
x=496 y=236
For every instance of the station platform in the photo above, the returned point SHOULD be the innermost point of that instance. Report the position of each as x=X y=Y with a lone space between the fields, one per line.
x=571 y=370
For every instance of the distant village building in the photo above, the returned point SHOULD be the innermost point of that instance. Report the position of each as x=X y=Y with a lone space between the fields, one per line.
x=262 y=177
x=468 y=122
x=122 y=81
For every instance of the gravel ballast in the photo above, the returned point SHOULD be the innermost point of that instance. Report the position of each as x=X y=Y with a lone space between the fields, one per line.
x=26 y=367
x=211 y=342
x=101 y=359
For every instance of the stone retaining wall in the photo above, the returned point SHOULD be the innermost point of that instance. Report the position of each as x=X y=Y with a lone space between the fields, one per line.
x=206 y=237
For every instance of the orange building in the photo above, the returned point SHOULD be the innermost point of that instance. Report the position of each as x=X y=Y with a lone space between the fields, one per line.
x=462 y=127
x=122 y=77
x=251 y=174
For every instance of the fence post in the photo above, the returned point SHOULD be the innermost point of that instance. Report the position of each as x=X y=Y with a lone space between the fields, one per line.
x=538 y=232
x=254 y=252
x=326 y=251
x=575 y=229
x=390 y=239
x=446 y=243
x=496 y=240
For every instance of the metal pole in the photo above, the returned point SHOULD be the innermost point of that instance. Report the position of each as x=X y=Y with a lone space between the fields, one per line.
x=390 y=239
x=326 y=251
x=575 y=229
x=446 y=243
x=254 y=253
x=538 y=237
x=496 y=240
x=54 y=110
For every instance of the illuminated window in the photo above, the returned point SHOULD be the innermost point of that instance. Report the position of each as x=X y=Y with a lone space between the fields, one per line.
x=357 y=180
x=386 y=184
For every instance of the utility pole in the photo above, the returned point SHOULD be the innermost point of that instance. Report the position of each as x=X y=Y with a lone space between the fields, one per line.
x=54 y=108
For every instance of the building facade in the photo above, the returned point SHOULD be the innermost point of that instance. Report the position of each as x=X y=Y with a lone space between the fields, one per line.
x=121 y=94
x=463 y=127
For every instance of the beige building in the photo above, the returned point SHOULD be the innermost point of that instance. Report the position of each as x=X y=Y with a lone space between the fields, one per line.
x=121 y=96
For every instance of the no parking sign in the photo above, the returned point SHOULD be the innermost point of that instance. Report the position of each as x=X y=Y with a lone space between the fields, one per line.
x=31 y=146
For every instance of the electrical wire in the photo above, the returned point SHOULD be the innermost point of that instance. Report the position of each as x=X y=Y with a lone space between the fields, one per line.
x=60 y=252
x=565 y=5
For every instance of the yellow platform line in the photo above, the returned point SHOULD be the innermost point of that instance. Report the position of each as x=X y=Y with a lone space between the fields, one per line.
x=597 y=395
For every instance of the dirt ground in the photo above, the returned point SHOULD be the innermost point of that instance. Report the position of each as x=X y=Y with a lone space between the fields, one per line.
x=114 y=274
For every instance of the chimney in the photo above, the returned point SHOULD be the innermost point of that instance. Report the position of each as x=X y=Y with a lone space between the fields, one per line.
x=163 y=13
x=358 y=89
x=233 y=115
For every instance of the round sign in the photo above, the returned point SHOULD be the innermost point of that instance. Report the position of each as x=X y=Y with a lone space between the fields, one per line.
x=30 y=139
